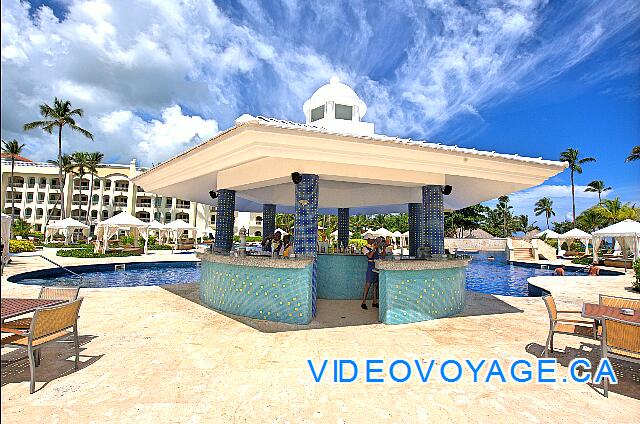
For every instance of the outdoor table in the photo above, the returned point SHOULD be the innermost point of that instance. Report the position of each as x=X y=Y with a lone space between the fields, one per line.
x=13 y=307
x=597 y=311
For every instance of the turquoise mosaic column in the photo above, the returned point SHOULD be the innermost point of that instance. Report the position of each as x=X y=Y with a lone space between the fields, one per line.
x=224 y=219
x=433 y=209
x=305 y=237
x=343 y=227
x=268 y=220
x=416 y=221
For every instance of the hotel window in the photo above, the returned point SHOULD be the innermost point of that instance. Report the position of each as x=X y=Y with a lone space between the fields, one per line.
x=29 y=197
x=32 y=182
x=213 y=219
x=42 y=183
x=107 y=184
x=183 y=204
x=183 y=216
x=96 y=184
x=167 y=217
x=27 y=213
x=105 y=214
x=169 y=201
x=158 y=202
x=41 y=197
x=105 y=200
x=317 y=113
x=95 y=199
x=157 y=216
x=344 y=112
x=94 y=214
x=40 y=212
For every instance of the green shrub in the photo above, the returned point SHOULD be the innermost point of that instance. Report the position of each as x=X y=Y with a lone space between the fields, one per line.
x=19 y=246
x=20 y=227
x=636 y=270
x=358 y=243
x=69 y=246
x=89 y=253
x=585 y=260
x=160 y=247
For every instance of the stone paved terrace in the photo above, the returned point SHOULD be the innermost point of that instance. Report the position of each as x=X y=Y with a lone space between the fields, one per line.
x=154 y=354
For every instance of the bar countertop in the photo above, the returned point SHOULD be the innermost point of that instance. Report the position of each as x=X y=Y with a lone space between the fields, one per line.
x=419 y=264
x=257 y=261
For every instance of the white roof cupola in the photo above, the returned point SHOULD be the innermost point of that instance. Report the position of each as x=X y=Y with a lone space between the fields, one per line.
x=336 y=107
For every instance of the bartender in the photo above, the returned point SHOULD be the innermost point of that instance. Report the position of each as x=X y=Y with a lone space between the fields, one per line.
x=373 y=250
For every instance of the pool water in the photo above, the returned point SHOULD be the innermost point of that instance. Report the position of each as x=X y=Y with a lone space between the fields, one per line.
x=499 y=277
x=483 y=275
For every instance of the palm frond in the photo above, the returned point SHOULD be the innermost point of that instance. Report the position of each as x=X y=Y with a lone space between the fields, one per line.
x=81 y=131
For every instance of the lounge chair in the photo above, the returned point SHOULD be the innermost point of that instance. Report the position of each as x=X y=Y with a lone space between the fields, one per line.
x=620 y=340
x=48 y=325
x=571 y=327
x=68 y=294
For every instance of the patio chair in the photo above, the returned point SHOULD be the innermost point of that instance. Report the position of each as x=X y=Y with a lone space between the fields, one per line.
x=48 y=325
x=568 y=326
x=620 y=340
x=67 y=294
x=619 y=302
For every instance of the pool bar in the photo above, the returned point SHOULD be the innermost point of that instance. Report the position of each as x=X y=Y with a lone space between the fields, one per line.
x=285 y=290
x=335 y=164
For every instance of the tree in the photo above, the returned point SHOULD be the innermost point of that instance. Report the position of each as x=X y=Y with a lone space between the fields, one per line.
x=634 y=155
x=284 y=221
x=93 y=160
x=357 y=224
x=13 y=149
x=469 y=218
x=21 y=227
x=590 y=220
x=613 y=210
x=58 y=116
x=67 y=166
x=522 y=224
x=544 y=206
x=504 y=211
x=80 y=165
x=597 y=186
x=572 y=157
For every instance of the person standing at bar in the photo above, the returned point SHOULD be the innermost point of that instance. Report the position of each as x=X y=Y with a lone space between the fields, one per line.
x=372 y=253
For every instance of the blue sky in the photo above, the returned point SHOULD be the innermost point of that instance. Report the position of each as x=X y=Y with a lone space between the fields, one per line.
x=529 y=77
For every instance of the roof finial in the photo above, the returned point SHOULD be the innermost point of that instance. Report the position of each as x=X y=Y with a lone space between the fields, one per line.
x=334 y=79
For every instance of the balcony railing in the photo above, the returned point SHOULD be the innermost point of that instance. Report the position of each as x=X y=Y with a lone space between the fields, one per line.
x=16 y=185
x=42 y=186
x=143 y=205
x=51 y=201
x=183 y=205
x=119 y=203
x=17 y=200
x=122 y=188
x=54 y=186
x=80 y=202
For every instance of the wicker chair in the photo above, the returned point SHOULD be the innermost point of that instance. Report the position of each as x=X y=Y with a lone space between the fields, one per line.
x=620 y=340
x=48 y=325
x=68 y=294
x=619 y=302
x=571 y=327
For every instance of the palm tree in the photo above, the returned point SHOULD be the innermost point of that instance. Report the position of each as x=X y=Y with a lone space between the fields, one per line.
x=597 y=186
x=613 y=210
x=13 y=149
x=80 y=164
x=285 y=221
x=59 y=115
x=504 y=211
x=634 y=155
x=67 y=166
x=93 y=159
x=572 y=156
x=544 y=206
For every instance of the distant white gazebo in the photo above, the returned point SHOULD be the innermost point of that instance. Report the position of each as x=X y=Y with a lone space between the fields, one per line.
x=66 y=227
x=122 y=221
x=6 y=236
x=205 y=232
x=380 y=232
x=550 y=234
x=334 y=235
x=626 y=232
x=177 y=228
x=575 y=234
x=159 y=230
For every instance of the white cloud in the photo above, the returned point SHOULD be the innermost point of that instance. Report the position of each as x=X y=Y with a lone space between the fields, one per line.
x=417 y=65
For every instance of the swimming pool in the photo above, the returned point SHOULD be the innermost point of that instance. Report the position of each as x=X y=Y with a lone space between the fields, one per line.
x=493 y=277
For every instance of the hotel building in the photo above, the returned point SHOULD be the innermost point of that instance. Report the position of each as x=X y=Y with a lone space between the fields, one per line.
x=37 y=198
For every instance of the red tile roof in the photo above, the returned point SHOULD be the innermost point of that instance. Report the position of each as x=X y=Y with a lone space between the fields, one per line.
x=18 y=157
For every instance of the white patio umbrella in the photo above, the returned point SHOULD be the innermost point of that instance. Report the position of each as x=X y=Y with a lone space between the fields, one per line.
x=205 y=232
x=550 y=234
x=575 y=234
x=334 y=235
x=65 y=227
x=626 y=232
x=122 y=221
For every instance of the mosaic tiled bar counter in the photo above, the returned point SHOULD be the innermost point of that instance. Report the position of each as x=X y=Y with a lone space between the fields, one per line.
x=257 y=287
x=421 y=290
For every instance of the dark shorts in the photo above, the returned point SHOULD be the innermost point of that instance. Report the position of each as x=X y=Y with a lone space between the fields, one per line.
x=372 y=276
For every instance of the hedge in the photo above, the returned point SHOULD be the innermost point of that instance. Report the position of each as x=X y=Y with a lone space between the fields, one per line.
x=160 y=247
x=585 y=260
x=89 y=253
x=636 y=270
x=19 y=246
x=68 y=246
